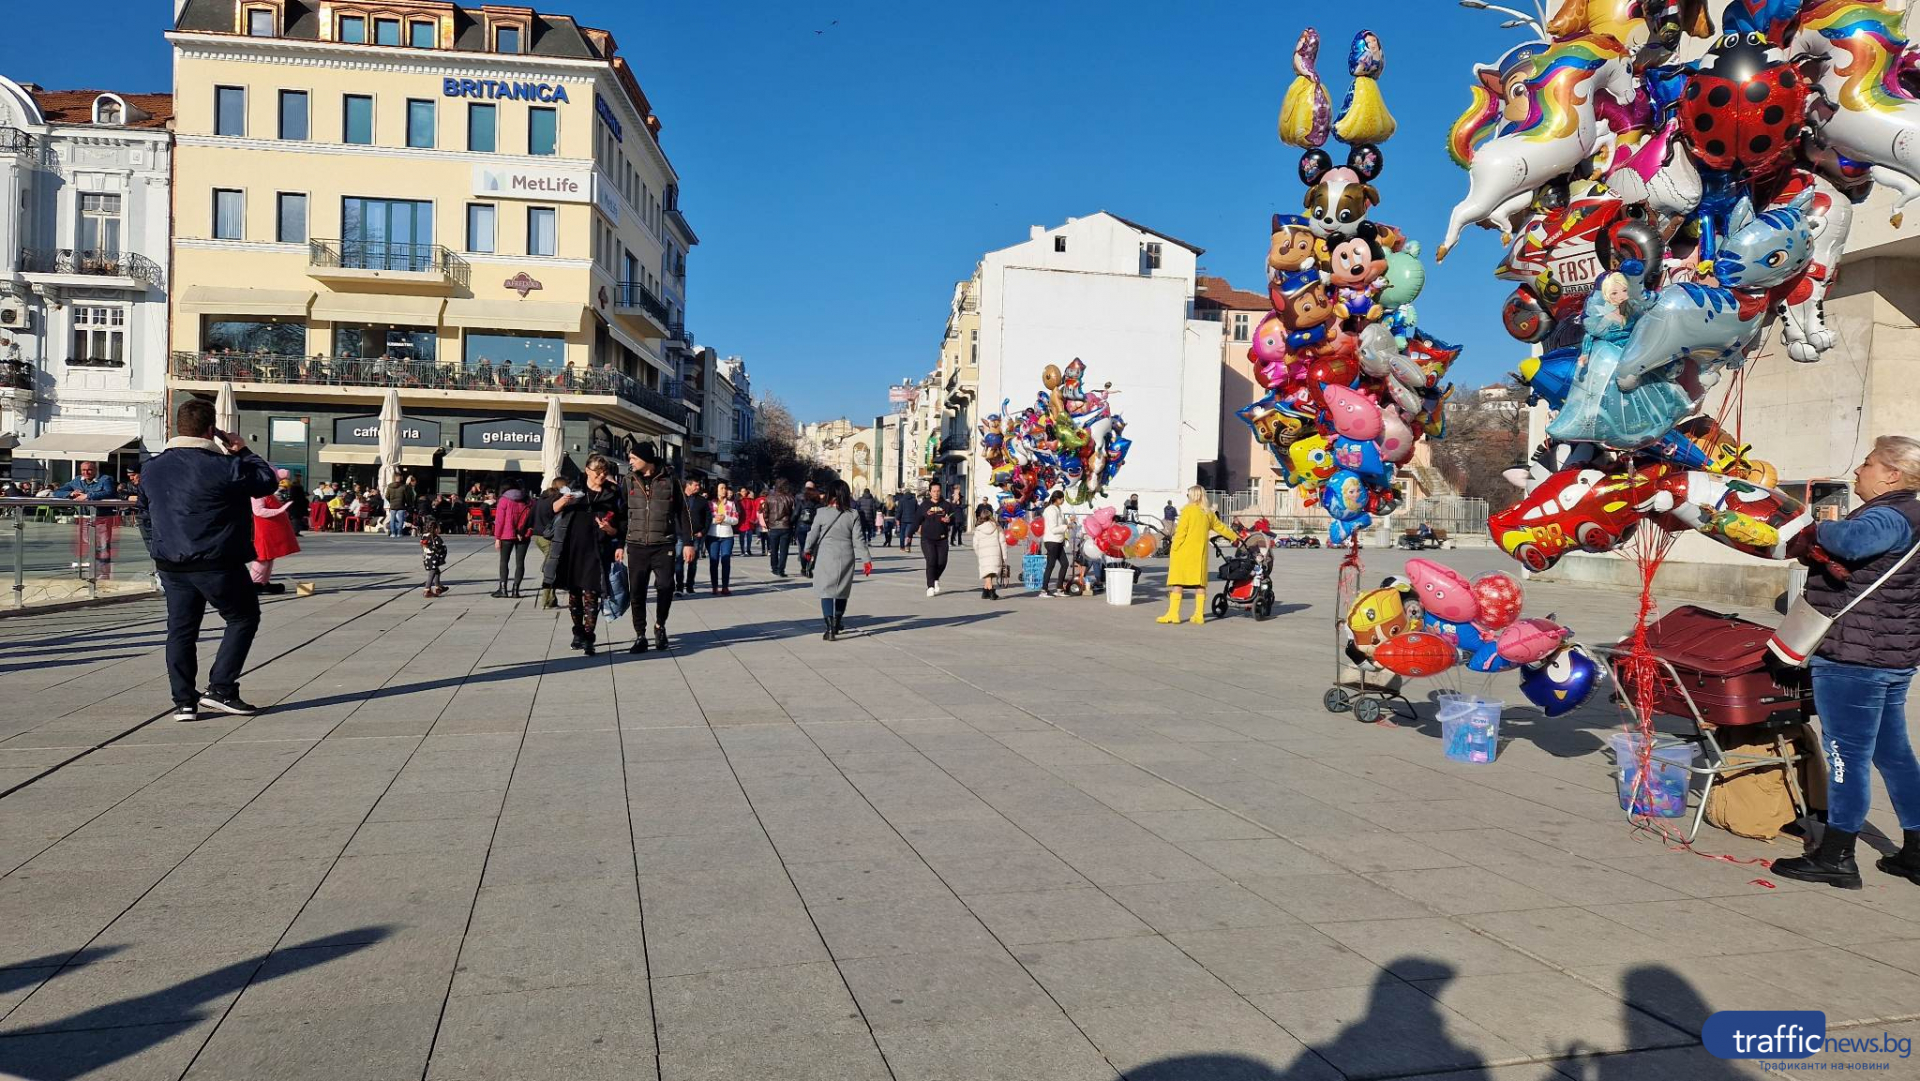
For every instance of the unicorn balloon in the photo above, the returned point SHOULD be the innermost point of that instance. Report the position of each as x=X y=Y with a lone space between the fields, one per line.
x=1862 y=49
x=1532 y=119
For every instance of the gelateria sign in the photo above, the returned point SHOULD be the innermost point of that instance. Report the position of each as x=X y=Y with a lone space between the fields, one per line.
x=544 y=185
x=365 y=432
x=500 y=90
x=502 y=435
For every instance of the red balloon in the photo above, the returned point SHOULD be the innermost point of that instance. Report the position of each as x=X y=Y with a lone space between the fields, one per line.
x=1499 y=596
x=1416 y=654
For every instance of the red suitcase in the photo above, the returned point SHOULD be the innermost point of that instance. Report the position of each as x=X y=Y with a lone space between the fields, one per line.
x=1720 y=660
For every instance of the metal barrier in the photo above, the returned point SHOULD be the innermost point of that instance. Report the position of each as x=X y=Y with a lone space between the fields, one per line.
x=69 y=550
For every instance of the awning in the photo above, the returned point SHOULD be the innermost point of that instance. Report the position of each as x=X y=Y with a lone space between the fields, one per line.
x=349 y=454
x=229 y=300
x=513 y=315
x=494 y=461
x=75 y=446
x=387 y=308
x=421 y=456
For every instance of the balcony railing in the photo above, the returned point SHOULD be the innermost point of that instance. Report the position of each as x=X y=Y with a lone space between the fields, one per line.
x=677 y=332
x=16 y=375
x=385 y=255
x=15 y=141
x=637 y=295
x=105 y=264
x=421 y=375
x=956 y=445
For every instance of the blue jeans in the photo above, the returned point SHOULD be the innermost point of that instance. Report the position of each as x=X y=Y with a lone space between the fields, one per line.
x=188 y=594
x=1863 y=720
x=719 y=562
x=396 y=522
x=778 y=543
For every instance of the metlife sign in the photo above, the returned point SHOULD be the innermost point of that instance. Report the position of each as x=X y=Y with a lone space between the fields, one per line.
x=539 y=185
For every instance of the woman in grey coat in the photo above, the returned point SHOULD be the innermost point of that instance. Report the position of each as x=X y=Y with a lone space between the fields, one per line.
x=836 y=544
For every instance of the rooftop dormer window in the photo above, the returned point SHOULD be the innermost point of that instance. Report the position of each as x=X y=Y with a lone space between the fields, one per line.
x=261 y=23
x=507 y=37
x=353 y=29
x=109 y=110
x=422 y=34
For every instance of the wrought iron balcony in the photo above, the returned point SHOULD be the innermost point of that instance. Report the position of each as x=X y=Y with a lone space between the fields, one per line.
x=15 y=141
x=381 y=372
x=375 y=257
x=957 y=445
x=16 y=375
x=104 y=264
x=636 y=301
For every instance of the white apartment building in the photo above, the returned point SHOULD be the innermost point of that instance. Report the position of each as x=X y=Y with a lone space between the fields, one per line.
x=85 y=203
x=1120 y=297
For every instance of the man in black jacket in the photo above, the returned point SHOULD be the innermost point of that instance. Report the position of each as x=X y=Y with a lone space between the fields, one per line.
x=867 y=508
x=777 y=513
x=699 y=520
x=657 y=518
x=196 y=505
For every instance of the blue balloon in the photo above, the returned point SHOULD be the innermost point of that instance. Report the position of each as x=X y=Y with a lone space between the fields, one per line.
x=1362 y=457
x=1465 y=635
x=1563 y=683
x=1345 y=497
x=1487 y=659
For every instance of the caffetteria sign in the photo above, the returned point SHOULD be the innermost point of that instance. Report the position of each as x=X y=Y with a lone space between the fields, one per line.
x=365 y=431
x=500 y=90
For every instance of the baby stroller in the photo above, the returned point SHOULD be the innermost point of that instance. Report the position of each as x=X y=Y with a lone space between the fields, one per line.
x=1248 y=574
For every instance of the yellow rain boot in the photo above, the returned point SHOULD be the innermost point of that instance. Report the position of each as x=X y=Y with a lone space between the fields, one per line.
x=1173 y=608
x=1199 y=608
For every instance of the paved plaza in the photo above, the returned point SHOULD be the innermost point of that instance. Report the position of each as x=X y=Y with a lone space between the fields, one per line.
x=1045 y=840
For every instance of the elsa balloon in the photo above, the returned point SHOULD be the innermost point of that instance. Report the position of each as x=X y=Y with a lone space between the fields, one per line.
x=1596 y=409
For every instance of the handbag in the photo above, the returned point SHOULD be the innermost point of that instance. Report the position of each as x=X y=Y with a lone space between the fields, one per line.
x=1805 y=626
x=614 y=604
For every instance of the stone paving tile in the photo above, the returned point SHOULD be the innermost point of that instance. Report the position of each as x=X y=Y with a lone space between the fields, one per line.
x=712 y=1008
x=908 y=924
x=1054 y=916
x=1388 y=1028
x=1264 y=960
x=1216 y=1040
x=595 y=1033
x=1550 y=1014
x=384 y=1040
x=1118 y=972
x=133 y=1053
x=1168 y=907
x=1401 y=945
x=1003 y=1049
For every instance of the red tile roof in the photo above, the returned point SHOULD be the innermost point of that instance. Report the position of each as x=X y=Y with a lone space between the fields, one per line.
x=1211 y=292
x=76 y=106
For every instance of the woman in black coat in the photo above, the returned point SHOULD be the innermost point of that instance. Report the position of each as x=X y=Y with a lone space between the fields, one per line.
x=586 y=523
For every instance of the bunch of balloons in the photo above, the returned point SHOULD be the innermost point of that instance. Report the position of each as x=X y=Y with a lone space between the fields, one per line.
x=1658 y=217
x=1104 y=536
x=1351 y=382
x=1432 y=618
x=1070 y=440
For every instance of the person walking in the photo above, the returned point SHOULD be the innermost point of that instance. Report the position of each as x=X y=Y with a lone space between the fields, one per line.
x=587 y=519
x=1187 y=566
x=1054 y=529
x=909 y=520
x=294 y=495
x=720 y=533
x=512 y=534
x=700 y=519
x=749 y=520
x=777 y=513
x=196 y=504
x=273 y=538
x=397 y=503
x=1131 y=509
x=433 y=556
x=835 y=547
x=868 y=508
x=935 y=524
x=1170 y=514
x=888 y=520
x=989 y=551
x=956 y=526
x=804 y=510
x=1865 y=663
x=657 y=520
x=540 y=525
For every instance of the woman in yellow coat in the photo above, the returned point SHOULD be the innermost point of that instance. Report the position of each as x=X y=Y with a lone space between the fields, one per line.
x=1188 y=565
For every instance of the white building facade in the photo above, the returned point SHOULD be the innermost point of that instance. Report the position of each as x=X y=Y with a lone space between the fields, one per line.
x=1120 y=297
x=85 y=222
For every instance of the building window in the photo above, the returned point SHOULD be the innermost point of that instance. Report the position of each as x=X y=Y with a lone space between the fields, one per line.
x=543 y=130
x=293 y=114
x=480 y=128
x=480 y=233
x=229 y=214
x=290 y=218
x=540 y=230
x=99 y=223
x=357 y=125
x=99 y=336
x=422 y=35
x=229 y=110
x=506 y=39
x=264 y=335
x=1060 y=243
x=502 y=348
x=386 y=234
x=1153 y=256
x=1242 y=327
x=420 y=122
x=353 y=29
x=386 y=31
x=260 y=23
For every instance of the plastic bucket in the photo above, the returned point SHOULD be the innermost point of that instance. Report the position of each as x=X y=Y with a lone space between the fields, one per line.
x=1120 y=585
x=1470 y=727
x=1033 y=571
x=1664 y=794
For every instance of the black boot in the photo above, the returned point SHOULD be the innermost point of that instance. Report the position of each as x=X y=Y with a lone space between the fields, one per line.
x=1831 y=863
x=1906 y=862
x=660 y=636
x=830 y=630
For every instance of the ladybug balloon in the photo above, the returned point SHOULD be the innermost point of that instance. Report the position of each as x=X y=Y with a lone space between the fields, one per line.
x=1744 y=107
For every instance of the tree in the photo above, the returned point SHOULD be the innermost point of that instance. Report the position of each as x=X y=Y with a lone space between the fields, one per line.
x=764 y=459
x=1485 y=437
x=773 y=420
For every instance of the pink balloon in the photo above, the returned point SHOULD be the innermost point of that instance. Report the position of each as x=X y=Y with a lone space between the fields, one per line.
x=1396 y=438
x=1443 y=591
x=1097 y=522
x=1499 y=597
x=1531 y=640
x=1353 y=414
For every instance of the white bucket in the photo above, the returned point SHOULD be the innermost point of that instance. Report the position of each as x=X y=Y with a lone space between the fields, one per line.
x=1120 y=585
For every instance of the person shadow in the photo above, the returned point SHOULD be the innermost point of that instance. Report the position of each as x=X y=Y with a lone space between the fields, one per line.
x=1403 y=1032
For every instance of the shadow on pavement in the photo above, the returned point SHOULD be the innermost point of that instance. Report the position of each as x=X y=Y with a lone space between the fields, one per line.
x=86 y=1042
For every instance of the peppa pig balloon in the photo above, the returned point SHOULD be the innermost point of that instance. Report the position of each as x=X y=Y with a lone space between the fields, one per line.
x=1352 y=413
x=1499 y=597
x=1443 y=591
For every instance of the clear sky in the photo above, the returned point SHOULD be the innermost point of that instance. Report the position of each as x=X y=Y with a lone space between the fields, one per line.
x=844 y=163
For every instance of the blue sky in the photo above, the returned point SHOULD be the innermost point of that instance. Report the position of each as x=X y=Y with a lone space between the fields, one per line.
x=841 y=181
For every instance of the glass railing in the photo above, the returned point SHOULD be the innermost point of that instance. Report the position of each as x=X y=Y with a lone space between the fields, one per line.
x=421 y=375
x=62 y=550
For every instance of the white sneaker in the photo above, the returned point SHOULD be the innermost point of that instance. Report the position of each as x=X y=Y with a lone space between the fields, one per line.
x=931 y=590
x=936 y=589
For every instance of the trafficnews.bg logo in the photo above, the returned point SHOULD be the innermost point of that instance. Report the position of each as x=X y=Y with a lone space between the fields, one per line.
x=1794 y=1034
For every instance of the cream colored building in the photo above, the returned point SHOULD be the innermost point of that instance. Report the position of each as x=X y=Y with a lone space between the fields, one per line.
x=468 y=204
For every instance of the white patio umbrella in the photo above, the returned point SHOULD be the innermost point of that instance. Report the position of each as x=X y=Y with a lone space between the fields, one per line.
x=389 y=438
x=552 y=442
x=226 y=411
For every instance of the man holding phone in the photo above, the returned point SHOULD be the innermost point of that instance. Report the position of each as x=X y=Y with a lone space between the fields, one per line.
x=196 y=505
